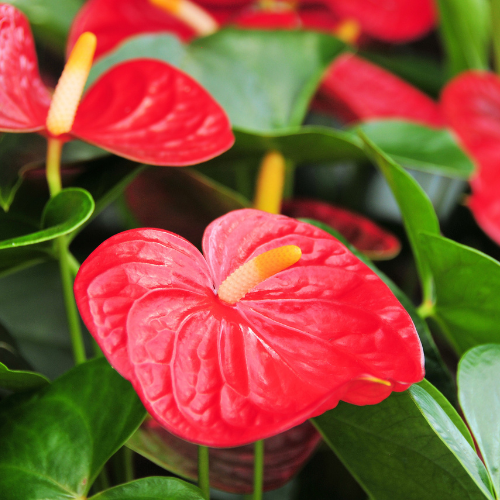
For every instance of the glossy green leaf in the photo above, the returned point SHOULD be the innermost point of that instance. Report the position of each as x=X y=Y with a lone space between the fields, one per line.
x=152 y=488
x=50 y=19
x=395 y=452
x=416 y=208
x=467 y=289
x=435 y=368
x=63 y=214
x=479 y=394
x=465 y=28
x=54 y=442
x=263 y=79
x=20 y=380
x=419 y=147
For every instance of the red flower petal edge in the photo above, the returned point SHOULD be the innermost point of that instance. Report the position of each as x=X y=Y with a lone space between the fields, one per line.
x=149 y=111
x=354 y=89
x=112 y=21
x=325 y=329
x=24 y=100
x=471 y=104
x=389 y=20
x=231 y=469
x=361 y=232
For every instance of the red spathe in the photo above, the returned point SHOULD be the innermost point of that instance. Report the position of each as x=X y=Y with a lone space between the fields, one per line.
x=223 y=375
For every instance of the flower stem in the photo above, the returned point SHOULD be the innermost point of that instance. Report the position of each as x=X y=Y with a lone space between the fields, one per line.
x=203 y=472
x=258 y=470
x=53 y=171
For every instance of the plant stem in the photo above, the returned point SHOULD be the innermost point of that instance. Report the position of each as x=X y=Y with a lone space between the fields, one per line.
x=203 y=472
x=123 y=466
x=53 y=166
x=495 y=21
x=258 y=470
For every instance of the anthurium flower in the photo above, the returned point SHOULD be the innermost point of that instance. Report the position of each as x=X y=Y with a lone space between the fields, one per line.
x=362 y=233
x=276 y=323
x=143 y=109
x=354 y=90
x=231 y=469
x=471 y=104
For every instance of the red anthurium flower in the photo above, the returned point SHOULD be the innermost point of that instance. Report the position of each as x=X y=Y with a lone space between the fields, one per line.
x=471 y=104
x=355 y=89
x=365 y=235
x=144 y=110
x=231 y=469
x=275 y=324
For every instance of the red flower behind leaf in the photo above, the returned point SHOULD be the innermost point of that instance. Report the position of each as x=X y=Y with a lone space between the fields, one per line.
x=143 y=109
x=218 y=374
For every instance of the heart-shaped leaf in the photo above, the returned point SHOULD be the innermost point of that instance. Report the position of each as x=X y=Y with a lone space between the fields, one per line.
x=152 y=488
x=20 y=380
x=479 y=393
x=407 y=446
x=467 y=288
x=263 y=79
x=416 y=208
x=74 y=437
x=420 y=147
x=63 y=214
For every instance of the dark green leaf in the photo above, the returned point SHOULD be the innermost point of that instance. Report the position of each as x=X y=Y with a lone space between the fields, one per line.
x=419 y=147
x=394 y=452
x=263 y=79
x=152 y=488
x=55 y=441
x=63 y=214
x=20 y=380
x=465 y=27
x=467 y=288
x=416 y=208
x=479 y=394
x=49 y=19
x=435 y=369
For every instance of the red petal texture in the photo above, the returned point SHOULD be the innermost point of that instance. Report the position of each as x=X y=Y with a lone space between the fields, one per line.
x=24 y=100
x=112 y=21
x=471 y=104
x=223 y=375
x=318 y=17
x=389 y=20
x=256 y=18
x=231 y=469
x=355 y=89
x=150 y=112
x=365 y=235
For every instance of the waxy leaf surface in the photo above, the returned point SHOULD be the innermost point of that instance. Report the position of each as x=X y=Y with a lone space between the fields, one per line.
x=147 y=111
x=479 y=394
x=152 y=488
x=55 y=441
x=467 y=288
x=20 y=380
x=231 y=469
x=291 y=348
x=24 y=100
x=412 y=446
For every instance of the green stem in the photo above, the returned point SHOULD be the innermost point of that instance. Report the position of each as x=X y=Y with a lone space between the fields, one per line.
x=73 y=264
x=101 y=482
x=203 y=472
x=69 y=301
x=53 y=166
x=495 y=20
x=123 y=466
x=258 y=470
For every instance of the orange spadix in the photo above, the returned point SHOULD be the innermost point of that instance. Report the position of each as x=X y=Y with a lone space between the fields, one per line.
x=348 y=31
x=255 y=271
x=190 y=13
x=270 y=183
x=70 y=86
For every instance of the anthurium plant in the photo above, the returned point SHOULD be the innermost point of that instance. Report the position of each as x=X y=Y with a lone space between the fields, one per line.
x=249 y=248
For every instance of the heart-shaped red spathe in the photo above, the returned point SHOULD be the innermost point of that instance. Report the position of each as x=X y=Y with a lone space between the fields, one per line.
x=112 y=21
x=355 y=89
x=24 y=100
x=325 y=329
x=471 y=104
x=361 y=232
x=151 y=112
x=389 y=20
